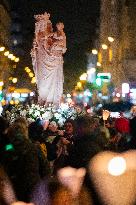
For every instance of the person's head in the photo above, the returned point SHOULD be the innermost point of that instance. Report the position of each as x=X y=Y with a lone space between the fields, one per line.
x=53 y=126
x=17 y=131
x=21 y=121
x=70 y=127
x=7 y=195
x=85 y=125
x=35 y=131
x=3 y=125
x=22 y=126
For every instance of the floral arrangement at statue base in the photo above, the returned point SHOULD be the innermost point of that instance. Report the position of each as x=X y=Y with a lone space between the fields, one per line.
x=35 y=111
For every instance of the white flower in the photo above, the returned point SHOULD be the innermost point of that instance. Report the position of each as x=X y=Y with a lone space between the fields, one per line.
x=30 y=111
x=47 y=115
x=42 y=109
x=61 y=122
x=64 y=106
x=73 y=117
x=23 y=113
x=30 y=120
x=57 y=115
x=37 y=113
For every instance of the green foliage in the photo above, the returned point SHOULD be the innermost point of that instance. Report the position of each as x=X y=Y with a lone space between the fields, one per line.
x=92 y=86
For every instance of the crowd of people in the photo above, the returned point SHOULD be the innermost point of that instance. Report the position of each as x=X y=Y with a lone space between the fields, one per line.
x=31 y=156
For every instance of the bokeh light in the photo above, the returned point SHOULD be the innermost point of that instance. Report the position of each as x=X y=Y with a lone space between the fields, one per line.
x=117 y=166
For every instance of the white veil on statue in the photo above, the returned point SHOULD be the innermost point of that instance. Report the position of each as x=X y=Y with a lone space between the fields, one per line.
x=47 y=60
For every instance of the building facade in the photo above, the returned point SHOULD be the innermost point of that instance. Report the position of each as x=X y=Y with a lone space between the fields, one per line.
x=5 y=22
x=117 y=41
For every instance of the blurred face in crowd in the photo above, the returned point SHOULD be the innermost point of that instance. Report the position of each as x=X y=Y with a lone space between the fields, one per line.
x=53 y=127
x=69 y=128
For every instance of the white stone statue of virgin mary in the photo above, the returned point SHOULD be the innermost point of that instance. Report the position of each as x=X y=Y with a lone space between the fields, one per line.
x=47 y=59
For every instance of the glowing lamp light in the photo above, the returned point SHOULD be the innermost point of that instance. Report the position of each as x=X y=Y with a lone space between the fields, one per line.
x=33 y=80
x=13 y=58
x=1 y=83
x=16 y=95
x=14 y=66
x=85 y=104
x=16 y=60
x=3 y=102
x=99 y=57
x=110 y=54
x=14 y=80
x=79 y=84
x=83 y=76
x=94 y=51
x=32 y=94
x=98 y=81
x=87 y=93
x=88 y=110
x=125 y=88
x=16 y=102
x=69 y=100
x=28 y=70
x=118 y=95
x=117 y=166
x=91 y=71
x=104 y=46
x=68 y=95
x=80 y=95
x=10 y=78
x=1 y=109
x=10 y=55
x=6 y=53
x=110 y=39
x=98 y=64
x=24 y=95
x=2 y=48
x=31 y=75
x=12 y=102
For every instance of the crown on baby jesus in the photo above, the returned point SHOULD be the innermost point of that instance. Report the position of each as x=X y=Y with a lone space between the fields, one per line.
x=60 y=24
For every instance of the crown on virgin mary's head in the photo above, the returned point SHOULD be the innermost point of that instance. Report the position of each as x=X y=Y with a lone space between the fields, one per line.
x=40 y=17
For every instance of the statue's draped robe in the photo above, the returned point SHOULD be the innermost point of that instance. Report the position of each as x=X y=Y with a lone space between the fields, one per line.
x=48 y=68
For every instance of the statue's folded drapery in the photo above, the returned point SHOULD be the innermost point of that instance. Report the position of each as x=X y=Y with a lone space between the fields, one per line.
x=47 y=59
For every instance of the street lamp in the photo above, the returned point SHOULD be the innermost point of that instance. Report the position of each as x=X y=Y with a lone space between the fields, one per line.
x=110 y=39
x=91 y=71
x=28 y=70
x=83 y=77
x=104 y=46
x=98 y=64
x=33 y=80
x=94 y=51
x=31 y=75
x=79 y=84
x=2 y=48
x=6 y=53
x=1 y=83
x=14 y=80
x=13 y=58
x=10 y=55
x=16 y=60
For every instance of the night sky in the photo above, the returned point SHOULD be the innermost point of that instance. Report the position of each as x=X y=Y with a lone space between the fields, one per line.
x=80 y=18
